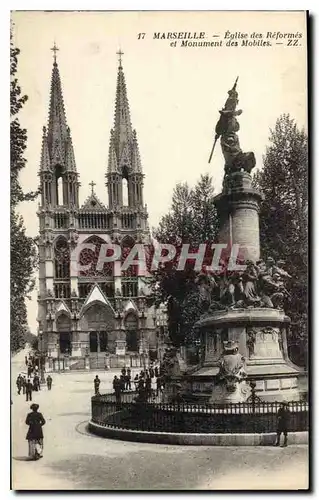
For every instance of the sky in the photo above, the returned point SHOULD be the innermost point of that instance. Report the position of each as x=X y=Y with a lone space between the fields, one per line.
x=174 y=92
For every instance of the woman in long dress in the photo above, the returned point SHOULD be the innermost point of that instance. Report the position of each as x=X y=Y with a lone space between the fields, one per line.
x=35 y=421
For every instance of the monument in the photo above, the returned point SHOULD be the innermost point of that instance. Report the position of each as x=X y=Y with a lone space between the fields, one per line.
x=243 y=330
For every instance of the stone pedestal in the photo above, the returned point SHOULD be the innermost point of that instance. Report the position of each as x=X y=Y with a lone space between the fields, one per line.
x=237 y=208
x=120 y=347
x=261 y=337
x=76 y=349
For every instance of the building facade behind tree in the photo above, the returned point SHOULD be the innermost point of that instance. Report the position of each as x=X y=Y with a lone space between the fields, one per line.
x=96 y=310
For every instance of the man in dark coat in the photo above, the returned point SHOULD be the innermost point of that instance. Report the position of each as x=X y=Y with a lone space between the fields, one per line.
x=28 y=390
x=24 y=383
x=97 y=382
x=19 y=383
x=128 y=380
x=49 y=382
x=36 y=383
x=35 y=421
x=117 y=389
x=283 y=417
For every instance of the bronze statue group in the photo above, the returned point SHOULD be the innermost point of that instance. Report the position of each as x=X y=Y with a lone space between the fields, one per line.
x=261 y=284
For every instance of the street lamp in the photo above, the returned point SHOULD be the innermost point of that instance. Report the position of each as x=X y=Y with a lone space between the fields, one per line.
x=42 y=379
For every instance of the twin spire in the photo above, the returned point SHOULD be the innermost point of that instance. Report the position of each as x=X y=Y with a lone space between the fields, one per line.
x=57 y=148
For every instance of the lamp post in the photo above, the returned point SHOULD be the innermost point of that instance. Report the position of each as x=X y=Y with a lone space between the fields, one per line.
x=42 y=357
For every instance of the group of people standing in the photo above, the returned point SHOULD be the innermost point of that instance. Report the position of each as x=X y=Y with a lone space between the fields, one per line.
x=27 y=386
x=142 y=381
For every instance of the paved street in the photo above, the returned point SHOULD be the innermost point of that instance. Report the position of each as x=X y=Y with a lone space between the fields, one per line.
x=75 y=460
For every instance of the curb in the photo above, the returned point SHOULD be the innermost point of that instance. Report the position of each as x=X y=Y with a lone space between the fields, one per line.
x=194 y=439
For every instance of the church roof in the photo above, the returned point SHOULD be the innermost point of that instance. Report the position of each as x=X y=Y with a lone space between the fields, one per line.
x=123 y=150
x=96 y=295
x=92 y=203
x=62 y=307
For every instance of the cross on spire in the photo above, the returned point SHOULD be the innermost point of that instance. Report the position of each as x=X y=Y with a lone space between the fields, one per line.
x=120 y=54
x=54 y=50
x=92 y=184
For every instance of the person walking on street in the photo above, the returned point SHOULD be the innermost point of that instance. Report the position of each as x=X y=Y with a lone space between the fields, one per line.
x=283 y=417
x=49 y=382
x=19 y=383
x=24 y=383
x=35 y=421
x=28 y=390
x=97 y=382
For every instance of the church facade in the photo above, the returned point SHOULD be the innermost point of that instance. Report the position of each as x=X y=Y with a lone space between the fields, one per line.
x=92 y=310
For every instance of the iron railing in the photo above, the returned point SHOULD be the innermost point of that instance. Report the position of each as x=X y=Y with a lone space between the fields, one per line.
x=127 y=413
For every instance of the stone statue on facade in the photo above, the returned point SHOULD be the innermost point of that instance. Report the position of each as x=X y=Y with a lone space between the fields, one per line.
x=226 y=129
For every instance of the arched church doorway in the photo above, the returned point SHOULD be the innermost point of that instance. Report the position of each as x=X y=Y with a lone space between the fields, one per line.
x=100 y=321
x=64 y=334
x=131 y=328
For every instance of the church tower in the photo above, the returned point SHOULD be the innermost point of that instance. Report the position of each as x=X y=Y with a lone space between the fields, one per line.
x=124 y=174
x=91 y=317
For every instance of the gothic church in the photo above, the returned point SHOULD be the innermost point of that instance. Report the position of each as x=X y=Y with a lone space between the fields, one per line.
x=96 y=312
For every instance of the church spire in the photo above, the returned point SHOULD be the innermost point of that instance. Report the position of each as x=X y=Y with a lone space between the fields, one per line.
x=57 y=157
x=123 y=154
x=58 y=134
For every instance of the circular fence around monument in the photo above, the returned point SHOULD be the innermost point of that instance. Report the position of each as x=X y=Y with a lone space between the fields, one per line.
x=235 y=418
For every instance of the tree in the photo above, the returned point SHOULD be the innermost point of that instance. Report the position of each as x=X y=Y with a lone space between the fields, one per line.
x=23 y=248
x=192 y=219
x=284 y=214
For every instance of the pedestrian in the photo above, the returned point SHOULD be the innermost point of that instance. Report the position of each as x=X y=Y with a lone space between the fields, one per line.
x=283 y=417
x=128 y=380
x=156 y=372
x=49 y=382
x=35 y=421
x=123 y=371
x=19 y=383
x=97 y=382
x=117 y=390
x=136 y=381
x=36 y=383
x=29 y=371
x=122 y=382
x=24 y=383
x=28 y=390
x=152 y=372
x=26 y=360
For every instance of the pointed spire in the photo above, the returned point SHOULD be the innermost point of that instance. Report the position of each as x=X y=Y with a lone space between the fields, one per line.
x=69 y=157
x=123 y=150
x=136 y=160
x=112 y=163
x=122 y=119
x=58 y=134
x=45 y=157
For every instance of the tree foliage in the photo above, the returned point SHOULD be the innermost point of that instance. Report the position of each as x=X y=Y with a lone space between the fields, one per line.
x=284 y=215
x=192 y=219
x=23 y=249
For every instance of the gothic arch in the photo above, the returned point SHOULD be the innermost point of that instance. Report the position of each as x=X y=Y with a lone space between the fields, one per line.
x=61 y=258
x=89 y=256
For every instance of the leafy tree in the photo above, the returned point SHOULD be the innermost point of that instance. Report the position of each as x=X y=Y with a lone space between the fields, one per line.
x=23 y=249
x=284 y=216
x=192 y=219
